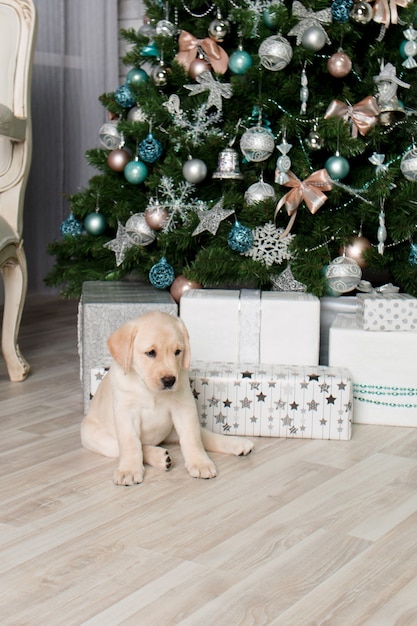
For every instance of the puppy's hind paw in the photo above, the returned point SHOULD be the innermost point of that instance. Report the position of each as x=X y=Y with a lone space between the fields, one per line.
x=127 y=477
x=246 y=447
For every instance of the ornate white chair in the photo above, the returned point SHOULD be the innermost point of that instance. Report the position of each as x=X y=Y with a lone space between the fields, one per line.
x=17 y=39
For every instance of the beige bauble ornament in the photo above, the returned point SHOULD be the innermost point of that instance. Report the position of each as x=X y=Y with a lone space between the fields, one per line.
x=339 y=65
x=355 y=249
x=182 y=284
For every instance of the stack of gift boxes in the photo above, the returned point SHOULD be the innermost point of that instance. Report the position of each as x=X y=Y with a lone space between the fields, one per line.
x=379 y=346
x=255 y=357
x=255 y=366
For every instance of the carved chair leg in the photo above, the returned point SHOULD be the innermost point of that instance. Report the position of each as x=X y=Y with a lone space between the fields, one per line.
x=15 y=286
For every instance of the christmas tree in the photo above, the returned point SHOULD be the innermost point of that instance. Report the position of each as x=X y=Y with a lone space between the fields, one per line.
x=255 y=143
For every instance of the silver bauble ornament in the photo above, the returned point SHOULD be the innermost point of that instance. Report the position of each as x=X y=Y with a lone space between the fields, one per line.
x=314 y=140
x=110 y=137
x=408 y=165
x=194 y=171
x=138 y=231
x=159 y=75
x=275 y=53
x=218 y=29
x=314 y=38
x=343 y=275
x=147 y=30
x=136 y=114
x=166 y=28
x=361 y=12
x=257 y=144
x=259 y=192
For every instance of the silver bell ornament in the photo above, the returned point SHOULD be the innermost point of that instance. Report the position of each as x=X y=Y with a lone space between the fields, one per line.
x=259 y=192
x=228 y=165
x=257 y=144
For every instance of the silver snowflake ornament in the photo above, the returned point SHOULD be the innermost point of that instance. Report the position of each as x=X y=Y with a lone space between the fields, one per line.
x=267 y=246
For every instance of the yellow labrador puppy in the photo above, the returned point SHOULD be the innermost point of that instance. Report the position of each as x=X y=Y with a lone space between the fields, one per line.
x=146 y=399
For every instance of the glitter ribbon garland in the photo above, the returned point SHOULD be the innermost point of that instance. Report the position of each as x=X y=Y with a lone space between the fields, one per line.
x=188 y=49
x=362 y=115
x=309 y=190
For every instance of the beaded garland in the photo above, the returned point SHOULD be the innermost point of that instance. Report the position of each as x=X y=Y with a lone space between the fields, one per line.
x=384 y=390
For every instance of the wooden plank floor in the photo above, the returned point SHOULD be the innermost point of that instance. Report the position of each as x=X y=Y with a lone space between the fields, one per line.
x=300 y=533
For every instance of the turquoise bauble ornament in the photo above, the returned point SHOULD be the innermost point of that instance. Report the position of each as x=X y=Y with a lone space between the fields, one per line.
x=150 y=149
x=124 y=97
x=240 y=238
x=71 y=227
x=136 y=76
x=337 y=167
x=95 y=224
x=135 y=172
x=412 y=257
x=269 y=18
x=161 y=275
x=240 y=61
x=341 y=10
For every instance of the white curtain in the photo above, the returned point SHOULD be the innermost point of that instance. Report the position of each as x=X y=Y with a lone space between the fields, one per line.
x=76 y=60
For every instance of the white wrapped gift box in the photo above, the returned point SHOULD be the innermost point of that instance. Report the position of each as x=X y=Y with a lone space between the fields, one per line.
x=252 y=326
x=310 y=402
x=387 y=311
x=104 y=307
x=383 y=366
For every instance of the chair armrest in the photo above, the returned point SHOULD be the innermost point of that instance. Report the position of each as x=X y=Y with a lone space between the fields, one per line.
x=11 y=126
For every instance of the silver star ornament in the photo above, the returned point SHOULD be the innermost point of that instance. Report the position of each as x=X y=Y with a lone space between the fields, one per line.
x=210 y=220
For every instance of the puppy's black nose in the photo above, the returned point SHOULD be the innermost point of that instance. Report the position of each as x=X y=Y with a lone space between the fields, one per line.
x=168 y=381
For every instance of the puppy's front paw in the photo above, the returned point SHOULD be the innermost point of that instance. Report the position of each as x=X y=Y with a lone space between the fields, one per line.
x=202 y=468
x=128 y=476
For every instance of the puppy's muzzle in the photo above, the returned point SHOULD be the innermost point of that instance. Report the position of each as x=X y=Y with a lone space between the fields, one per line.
x=168 y=381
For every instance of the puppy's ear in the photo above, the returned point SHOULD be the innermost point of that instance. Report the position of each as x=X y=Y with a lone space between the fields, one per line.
x=120 y=345
x=186 y=359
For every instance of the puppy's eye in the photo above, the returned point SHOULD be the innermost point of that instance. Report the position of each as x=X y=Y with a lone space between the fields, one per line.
x=151 y=354
x=177 y=352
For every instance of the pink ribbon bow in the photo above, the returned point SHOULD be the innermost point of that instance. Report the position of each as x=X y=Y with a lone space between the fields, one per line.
x=310 y=190
x=188 y=48
x=362 y=115
x=385 y=11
